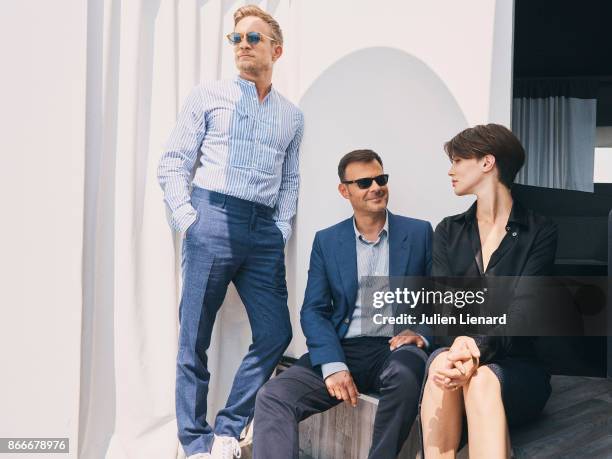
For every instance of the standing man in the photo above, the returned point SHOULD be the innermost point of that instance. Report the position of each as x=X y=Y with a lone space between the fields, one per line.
x=348 y=352
x=235 y=222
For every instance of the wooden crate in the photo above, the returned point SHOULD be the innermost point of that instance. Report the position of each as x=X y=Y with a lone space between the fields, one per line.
x=344 y=432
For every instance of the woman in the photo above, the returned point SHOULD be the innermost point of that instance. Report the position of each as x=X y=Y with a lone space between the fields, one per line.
x=491 y=381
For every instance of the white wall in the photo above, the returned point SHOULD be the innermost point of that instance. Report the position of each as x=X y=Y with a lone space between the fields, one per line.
x=401 y=79
x=42 y=89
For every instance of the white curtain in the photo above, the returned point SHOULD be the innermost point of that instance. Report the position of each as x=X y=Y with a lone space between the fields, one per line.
x=143 y=57
x=555 y=121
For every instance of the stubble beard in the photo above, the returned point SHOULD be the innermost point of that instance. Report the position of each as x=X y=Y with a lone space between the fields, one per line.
x=252 y=68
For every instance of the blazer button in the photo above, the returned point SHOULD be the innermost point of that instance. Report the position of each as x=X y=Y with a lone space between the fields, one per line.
x=514 y=234
x=346 y=321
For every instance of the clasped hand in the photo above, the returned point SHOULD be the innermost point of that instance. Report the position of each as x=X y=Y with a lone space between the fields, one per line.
x=462 y=360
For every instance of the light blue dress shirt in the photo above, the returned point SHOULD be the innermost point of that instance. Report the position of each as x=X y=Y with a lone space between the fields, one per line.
x=249 y=150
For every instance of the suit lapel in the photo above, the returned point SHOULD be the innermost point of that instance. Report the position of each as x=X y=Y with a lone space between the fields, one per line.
x=399 y=248
x=346 y=257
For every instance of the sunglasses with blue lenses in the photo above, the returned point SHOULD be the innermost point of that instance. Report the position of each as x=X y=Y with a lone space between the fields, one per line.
x=365 y=183
x=252 y=38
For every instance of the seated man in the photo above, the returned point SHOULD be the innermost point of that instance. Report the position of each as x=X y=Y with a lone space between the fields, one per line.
x=348 y=354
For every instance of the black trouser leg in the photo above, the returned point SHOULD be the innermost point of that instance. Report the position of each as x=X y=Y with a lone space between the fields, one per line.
x=281 y=404
x=399 y=385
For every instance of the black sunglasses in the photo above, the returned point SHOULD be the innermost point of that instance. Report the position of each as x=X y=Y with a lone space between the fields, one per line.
x=252 y=38
x=365 y=183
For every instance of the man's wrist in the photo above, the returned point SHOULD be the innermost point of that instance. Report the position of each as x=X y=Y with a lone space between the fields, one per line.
x=183 y=217
x=425 y=341
x=285 y=229
x=328 y=369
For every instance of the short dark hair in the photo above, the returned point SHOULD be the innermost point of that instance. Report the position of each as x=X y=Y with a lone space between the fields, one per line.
x=361 y=156
x=493 y=139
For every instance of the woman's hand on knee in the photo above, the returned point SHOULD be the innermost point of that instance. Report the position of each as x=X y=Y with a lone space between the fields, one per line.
x=462 y=361
x=462 y=343
x=452 y=378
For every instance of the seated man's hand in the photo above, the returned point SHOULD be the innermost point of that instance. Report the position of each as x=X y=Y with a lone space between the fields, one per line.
x=342 y=386
x=406 y=337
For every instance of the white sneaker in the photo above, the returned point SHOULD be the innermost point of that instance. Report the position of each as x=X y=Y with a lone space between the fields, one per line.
x=200 y=456
x=225 y=448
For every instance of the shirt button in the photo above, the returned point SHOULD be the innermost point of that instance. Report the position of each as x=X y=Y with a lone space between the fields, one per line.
x=346 y=321
x=514 y=234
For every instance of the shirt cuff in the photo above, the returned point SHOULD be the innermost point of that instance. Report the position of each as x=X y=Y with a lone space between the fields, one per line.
x=425 y=340
x=328 y=369
x=183 y=217
x=285 y=229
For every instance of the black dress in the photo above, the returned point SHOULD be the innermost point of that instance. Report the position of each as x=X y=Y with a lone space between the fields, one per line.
x=527 y=249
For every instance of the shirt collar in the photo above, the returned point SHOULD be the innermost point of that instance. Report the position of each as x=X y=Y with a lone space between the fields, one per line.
x=518 y=214
x=251 y=85
x=383 y=231
x=244 y=81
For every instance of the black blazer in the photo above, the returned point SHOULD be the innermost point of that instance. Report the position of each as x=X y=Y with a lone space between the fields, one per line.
x=527 y=249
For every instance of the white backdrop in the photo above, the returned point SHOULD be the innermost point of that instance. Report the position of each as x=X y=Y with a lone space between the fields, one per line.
x=92 y=259
x=42 y=122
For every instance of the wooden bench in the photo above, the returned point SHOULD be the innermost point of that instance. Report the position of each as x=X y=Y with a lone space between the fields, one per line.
x=346 y=432
x=576 y=423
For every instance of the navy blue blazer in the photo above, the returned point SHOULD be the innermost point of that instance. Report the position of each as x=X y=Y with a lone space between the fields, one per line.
x=331 y=290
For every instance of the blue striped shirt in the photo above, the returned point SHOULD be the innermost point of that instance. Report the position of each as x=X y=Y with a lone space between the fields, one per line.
x=372 y=266
x=249 y=150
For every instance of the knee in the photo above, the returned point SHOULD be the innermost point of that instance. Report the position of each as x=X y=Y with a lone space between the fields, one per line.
x=269 y=394
x=276 y=342
x=482 y=388
x=272 y=398
x=282 y=339
x=439 y=362
x=405 y=372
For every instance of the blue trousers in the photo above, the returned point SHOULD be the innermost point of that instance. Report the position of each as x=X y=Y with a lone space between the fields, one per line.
x=237 y=241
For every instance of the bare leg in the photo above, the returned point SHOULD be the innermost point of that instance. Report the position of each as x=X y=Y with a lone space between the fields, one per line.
x=487 y=428
x=441 y=415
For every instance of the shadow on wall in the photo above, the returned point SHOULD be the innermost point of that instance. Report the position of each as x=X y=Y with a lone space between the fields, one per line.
x=391 y=102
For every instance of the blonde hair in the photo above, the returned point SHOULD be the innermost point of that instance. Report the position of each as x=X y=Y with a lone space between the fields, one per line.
x=254 y=10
